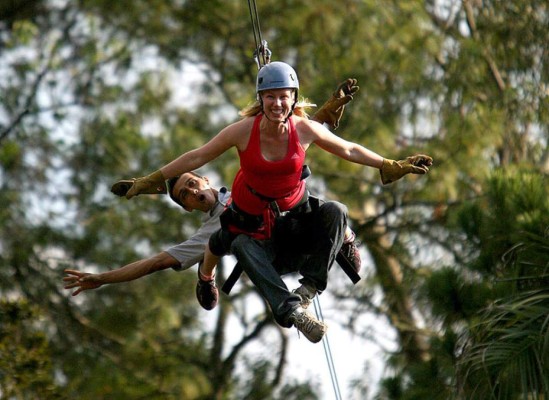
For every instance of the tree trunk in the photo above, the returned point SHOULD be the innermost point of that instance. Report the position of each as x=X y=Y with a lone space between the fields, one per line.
x=398 y=303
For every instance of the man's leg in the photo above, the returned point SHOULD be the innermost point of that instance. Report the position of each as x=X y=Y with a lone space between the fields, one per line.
x=349 y=256
x=207 y=293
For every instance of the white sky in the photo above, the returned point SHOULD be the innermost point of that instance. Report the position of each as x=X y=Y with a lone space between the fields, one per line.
x=353 y=357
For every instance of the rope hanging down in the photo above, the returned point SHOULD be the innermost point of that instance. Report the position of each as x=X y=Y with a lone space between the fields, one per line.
x=262 y=54
x=328 y=352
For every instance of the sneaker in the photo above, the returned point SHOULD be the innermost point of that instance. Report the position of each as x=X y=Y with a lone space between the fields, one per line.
x=307 y=294
x=312 y=328
x=207 y=293
x=349 y=251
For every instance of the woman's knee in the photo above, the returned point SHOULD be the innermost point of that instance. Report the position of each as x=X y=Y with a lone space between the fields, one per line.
x=334 y=208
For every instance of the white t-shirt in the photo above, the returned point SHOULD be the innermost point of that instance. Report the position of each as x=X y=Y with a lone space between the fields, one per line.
x=191 y=251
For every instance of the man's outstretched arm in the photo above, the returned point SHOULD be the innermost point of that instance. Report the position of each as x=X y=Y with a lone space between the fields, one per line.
x=85 y=281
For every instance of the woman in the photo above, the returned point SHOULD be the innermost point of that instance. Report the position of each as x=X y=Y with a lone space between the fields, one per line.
x=272 y=139
x=277 y=93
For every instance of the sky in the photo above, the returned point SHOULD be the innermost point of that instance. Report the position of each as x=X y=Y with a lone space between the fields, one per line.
x=352 y=357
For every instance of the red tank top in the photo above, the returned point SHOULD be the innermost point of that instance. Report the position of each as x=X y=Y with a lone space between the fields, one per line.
x=279 y=180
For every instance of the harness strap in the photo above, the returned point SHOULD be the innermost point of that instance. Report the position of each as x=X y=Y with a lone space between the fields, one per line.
x=231 y=280
x=347 y=267
x=237 y=271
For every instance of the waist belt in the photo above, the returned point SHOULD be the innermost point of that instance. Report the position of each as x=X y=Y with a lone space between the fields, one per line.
x=233 y=215
x=300 y=208
x=238 y=218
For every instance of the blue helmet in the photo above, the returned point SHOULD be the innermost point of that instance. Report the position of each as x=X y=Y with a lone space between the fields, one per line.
x=276 y=75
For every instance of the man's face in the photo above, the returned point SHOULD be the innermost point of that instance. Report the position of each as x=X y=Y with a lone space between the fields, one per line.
x=194 y=193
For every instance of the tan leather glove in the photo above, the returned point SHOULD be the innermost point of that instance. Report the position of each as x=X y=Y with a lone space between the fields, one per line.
x=121 y=187
x=392 y=170
x=330 y=113
x=150 y=184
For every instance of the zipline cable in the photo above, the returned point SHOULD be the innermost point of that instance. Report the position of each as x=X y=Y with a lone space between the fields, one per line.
x=328 y=352
x=255 y=22
x=262 y=54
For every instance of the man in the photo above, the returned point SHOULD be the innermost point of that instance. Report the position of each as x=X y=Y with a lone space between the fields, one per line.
x=192 y=192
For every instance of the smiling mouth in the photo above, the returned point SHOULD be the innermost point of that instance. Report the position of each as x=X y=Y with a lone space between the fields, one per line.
x=277 y=115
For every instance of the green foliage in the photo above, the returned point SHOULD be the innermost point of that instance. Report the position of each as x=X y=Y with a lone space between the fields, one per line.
x=25 y=356
x=453 y=298
x=516 y=202
x=10 y=155
x=88 y=98
x=506 y=354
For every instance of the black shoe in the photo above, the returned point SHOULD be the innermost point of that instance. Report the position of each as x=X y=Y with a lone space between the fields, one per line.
x=350 y=252
x=207 y=293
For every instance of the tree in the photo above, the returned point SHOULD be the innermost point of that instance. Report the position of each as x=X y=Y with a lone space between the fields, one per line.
x=25 y=361
x=87 y=99
x=73 y=65
x=504 y=353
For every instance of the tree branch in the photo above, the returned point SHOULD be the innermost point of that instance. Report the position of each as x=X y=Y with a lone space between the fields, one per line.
x=13 y=124
x=469 y=13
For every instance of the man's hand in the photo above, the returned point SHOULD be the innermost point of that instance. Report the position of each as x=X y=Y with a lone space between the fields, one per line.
x=392 y=170
x=150 y=184
x=330 y=113
x=81 y=280
x=121 y=188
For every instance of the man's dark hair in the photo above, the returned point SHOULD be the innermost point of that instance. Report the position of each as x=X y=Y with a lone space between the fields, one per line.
x=170 y=183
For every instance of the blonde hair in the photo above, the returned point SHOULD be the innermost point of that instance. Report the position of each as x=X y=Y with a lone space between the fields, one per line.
x=255 y=108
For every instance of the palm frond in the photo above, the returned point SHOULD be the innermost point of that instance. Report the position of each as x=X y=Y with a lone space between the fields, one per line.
x=506 y=354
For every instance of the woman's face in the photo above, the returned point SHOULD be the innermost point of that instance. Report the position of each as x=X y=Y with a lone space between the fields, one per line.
x=277 y=103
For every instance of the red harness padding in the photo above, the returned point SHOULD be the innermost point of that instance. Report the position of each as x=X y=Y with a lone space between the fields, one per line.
x=238 y=221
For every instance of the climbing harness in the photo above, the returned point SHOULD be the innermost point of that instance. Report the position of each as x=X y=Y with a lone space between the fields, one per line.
x=328 y=352
x=262 y=54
